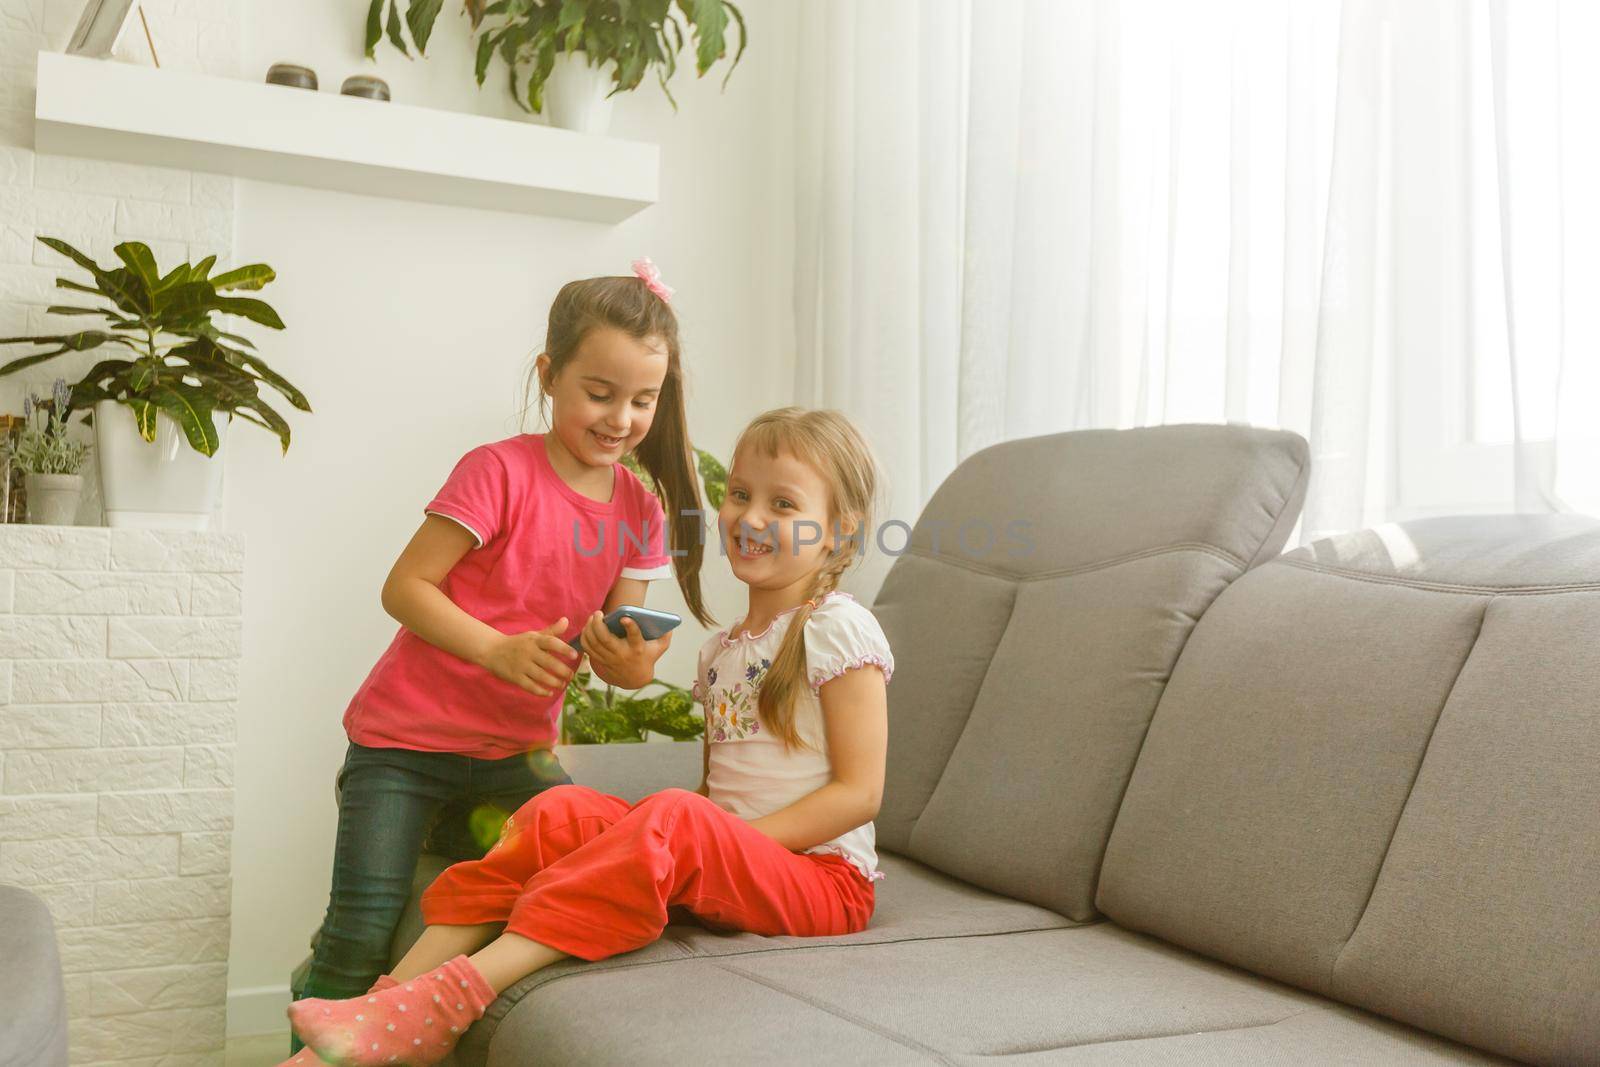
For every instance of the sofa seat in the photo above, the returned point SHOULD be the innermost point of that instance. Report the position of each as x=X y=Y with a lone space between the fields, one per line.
x=915 y=904
x=1071 y=994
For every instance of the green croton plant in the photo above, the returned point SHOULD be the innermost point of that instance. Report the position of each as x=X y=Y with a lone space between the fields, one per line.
x=170 y=356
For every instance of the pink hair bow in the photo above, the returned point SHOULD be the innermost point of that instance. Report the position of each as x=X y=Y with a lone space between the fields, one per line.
x=650 y=274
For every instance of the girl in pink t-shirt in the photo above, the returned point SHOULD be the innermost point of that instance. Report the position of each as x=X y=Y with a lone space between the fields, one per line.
x=530 y=541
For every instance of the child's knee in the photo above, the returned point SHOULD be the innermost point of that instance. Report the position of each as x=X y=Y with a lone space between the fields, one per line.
x=671 y=800
x=557 y=802
x=670 y=795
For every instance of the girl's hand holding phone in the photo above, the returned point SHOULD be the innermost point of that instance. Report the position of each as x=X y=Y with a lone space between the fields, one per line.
x=628 y=662
x=538 y=661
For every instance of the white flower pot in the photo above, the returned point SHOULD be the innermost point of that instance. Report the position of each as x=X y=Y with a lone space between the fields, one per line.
x=159 y=485
x=53 y=498
x=575 y=94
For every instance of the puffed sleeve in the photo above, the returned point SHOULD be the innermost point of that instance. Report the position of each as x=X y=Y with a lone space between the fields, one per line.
x=474 y=495
x=842 y=635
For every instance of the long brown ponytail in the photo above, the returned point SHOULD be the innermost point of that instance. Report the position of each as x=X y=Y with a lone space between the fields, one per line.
x=826 y=442
x=627 y=304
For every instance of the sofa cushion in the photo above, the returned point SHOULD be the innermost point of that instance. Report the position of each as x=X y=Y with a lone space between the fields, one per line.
x=942 y=654
x=914 y=903
x=1068 y=995
x=691 y=1012
x=1277 y=765
x=1028 y=662
x=1493 y=877
x=1373 y=773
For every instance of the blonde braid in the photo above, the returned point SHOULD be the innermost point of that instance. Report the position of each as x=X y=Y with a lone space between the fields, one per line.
x=787 y=674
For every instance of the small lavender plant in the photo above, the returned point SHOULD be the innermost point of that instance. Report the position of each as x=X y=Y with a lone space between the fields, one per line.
x=43 y=446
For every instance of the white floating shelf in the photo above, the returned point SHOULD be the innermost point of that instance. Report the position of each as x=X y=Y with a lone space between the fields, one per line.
x=110 y=110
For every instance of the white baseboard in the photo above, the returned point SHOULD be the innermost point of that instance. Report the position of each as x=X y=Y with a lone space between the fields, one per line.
x=258 y=1011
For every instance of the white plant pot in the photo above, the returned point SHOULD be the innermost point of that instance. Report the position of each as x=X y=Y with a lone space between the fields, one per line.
x=159 y=485
x=53 y=498
x=575 y=94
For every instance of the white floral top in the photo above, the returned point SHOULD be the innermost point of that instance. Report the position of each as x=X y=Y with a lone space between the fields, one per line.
x=751 y=772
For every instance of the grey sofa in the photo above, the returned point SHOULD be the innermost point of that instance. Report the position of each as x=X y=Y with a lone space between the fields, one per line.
x=1158 y=794
x=33 y=1006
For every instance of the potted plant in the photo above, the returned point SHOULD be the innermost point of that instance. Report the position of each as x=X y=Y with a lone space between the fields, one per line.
x=594 y=716
x=578 y=53
x=175 y=373
x=50 y=459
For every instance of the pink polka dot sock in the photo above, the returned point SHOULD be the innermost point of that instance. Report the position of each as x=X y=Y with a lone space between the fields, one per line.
x=415 y=1023
x=304 y=1058
x=307 y=1058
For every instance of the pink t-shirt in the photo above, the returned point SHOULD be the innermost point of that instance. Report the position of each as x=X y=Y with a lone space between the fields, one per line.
x=544 y=551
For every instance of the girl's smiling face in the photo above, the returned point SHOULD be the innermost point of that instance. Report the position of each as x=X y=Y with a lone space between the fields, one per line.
x=603 y=400
x=774 y=522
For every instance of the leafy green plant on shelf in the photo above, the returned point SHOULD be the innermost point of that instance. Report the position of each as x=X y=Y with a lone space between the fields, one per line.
x=591 y=715
x=527 y=35
x=173 y=359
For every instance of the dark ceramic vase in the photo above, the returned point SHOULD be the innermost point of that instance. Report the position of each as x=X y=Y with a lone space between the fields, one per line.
x=292 y=75
x=366 y=86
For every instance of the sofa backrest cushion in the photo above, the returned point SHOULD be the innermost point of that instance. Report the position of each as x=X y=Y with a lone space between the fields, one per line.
x=1028 y=662
x=1375 y=774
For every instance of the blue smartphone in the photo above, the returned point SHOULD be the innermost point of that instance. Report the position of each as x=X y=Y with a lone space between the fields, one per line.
x=652 y=624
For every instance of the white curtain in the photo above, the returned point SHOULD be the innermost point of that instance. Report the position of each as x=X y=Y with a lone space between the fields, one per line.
x=1373 y=222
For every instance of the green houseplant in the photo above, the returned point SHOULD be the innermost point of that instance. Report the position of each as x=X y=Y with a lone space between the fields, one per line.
x=172 y=366
x=591 y=715
x=617 y=42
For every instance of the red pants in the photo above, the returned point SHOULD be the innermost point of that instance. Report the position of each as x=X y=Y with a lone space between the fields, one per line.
x=588 y=875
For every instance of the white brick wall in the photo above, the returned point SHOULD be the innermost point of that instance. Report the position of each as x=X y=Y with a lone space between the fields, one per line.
x=119 y=658
x=95 y=204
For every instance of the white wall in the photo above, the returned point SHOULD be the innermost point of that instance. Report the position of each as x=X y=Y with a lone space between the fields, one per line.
x=410 y=328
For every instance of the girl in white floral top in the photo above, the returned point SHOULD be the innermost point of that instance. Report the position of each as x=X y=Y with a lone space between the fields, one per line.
x=777 y=839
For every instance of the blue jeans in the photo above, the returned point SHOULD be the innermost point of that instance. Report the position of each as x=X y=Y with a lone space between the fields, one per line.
x=392 y=802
